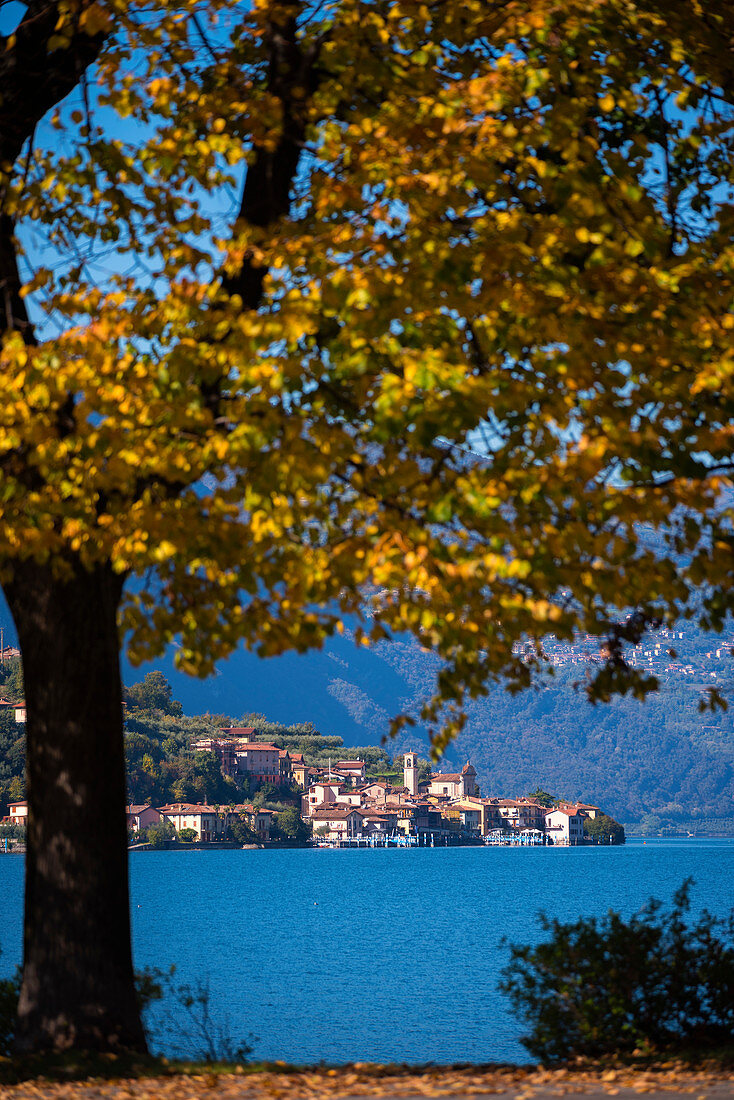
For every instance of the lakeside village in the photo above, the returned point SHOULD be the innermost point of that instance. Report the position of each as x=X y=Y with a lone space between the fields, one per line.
x=341 y=807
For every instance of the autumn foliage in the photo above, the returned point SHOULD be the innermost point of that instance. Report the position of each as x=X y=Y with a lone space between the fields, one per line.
x=473 y=331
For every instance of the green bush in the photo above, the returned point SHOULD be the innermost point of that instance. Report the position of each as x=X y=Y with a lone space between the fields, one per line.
x=650 y=984
x=9 y=990
x=160 y=832
x=188 y=835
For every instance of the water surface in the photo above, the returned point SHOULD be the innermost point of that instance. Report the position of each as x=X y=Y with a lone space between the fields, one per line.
x=379 y=955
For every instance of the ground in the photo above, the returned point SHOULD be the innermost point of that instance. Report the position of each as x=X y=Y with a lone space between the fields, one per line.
x=668 y=1082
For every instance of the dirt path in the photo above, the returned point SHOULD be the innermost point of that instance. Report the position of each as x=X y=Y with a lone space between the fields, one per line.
x=667 y=1083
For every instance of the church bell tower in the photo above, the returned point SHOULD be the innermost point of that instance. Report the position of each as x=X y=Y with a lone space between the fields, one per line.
x=410 y=772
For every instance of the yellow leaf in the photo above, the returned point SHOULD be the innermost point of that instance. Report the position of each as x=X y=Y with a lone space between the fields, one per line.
x=95 y=19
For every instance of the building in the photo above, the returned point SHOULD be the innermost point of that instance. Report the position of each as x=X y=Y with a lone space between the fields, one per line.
x=336 y=822
x=300 y=770
x=470 y=816
x=204 y=820
x=584 y=809
x=257 y=761
x=140 y=817
x=19 y=709
x=520 y=813
x=285 y=768
x=378 y=823
x=564 y=826
x=222 y=747
x=322 y=794
x=351 y=769
x=410 y=773
x=238 y=756
x=454 y=784
x=376 y=791
x=18 y=813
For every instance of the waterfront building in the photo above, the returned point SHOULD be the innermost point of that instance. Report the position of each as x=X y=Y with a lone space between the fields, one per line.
x=336 y=822
x=564 y=826
x=204 y=820
x=18 y=814
x=140 y=817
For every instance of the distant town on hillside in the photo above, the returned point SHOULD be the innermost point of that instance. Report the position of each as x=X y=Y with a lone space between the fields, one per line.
x=664 y=766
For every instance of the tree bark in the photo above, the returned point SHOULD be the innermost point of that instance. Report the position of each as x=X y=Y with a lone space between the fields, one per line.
x=78 y=987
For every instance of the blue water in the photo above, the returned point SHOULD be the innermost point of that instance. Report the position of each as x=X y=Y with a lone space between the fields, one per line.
x=375 y=955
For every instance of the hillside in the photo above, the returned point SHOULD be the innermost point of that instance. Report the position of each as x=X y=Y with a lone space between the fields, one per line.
x=661 y=758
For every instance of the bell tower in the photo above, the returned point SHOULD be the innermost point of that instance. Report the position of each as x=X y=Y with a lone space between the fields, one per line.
x=410 y=772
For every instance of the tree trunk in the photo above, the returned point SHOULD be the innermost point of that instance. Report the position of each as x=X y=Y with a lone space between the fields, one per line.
x=78 y=987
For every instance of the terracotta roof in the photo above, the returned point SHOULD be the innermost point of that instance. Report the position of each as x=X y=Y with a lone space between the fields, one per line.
x=187 y=808
x=262 y=746
x=350 y=763
x=139 y=809
x=562 y=810
x=336 y=813
x=448 y=777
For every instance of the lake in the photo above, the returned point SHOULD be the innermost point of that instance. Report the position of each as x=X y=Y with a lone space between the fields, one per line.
x=374 y=955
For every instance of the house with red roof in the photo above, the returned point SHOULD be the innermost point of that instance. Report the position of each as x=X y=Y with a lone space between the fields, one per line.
x=564 y=826
x=336 y=822
x=206 y=822
x=140 y=817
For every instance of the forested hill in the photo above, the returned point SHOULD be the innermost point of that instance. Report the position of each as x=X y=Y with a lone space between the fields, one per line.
x=660 y=758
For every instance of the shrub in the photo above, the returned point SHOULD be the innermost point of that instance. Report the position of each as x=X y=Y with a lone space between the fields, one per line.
x=9 y=990
x=610 y=986
x=188 y=835
x=160 y=832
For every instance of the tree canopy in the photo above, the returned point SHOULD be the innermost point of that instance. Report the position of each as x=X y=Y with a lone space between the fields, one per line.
x=418 y=313
x=465 y=330
x=153 y=692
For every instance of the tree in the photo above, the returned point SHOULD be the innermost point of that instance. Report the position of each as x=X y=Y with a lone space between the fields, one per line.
x=545 y=799
x=239 y=830
x=12 y=679
x=160 y=832
x=468 y=328
x=291 y=825
x=604 y=829
x=153 y=693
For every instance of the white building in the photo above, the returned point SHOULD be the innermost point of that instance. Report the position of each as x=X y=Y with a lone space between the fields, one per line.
x=564 y=826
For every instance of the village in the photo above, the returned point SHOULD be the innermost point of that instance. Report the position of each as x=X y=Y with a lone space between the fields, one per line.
x=342 y=807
